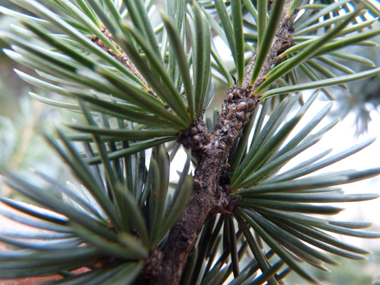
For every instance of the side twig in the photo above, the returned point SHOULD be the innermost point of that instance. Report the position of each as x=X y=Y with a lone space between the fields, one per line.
x=122 y=57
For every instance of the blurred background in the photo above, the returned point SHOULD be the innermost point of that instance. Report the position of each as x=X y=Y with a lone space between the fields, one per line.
x=22 y=122
x=22 y=147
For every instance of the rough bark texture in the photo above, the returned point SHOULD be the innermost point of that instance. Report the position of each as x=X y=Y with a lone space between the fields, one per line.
x=210 y=196
x=281 y=42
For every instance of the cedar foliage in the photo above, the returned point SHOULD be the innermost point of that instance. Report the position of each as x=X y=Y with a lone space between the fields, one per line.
x=143 y=87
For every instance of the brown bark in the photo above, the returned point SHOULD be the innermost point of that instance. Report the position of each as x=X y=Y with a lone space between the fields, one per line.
x=212 y=150
x=208 y=195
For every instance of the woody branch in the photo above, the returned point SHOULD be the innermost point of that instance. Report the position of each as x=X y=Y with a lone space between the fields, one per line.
x=210 y=196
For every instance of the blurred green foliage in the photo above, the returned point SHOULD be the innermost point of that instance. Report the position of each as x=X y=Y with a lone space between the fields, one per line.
x=351 y=272
x=363 y=96
x=21 y=143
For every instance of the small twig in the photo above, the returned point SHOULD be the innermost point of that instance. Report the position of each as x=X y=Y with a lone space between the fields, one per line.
x=123 y=58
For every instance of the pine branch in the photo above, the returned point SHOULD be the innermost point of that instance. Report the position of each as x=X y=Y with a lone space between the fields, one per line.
x=211 y=191
x=138 y=226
